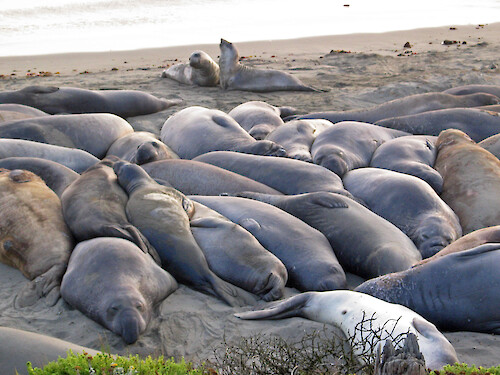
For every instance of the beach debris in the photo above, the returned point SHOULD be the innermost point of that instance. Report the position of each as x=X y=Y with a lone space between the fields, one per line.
x=453 y=28
x=448 y=42
x=347 y=5
x=407 y=45
x=334 y=51
x=114 y=69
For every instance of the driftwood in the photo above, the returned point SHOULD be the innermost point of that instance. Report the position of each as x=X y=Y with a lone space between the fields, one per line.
x=404 y=361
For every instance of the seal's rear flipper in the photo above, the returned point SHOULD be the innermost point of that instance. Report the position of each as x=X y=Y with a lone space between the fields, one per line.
x=284 y=309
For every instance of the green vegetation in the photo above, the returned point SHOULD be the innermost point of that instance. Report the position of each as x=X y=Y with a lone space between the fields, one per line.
x=464 y=369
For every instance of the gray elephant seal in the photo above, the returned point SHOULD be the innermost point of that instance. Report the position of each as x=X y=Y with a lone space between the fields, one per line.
x=305 y=252
x=55 y=175
x=359 y=316
x=471 y=180
x=472 y=89
x=197 y=130
x=33 y=235
x=413 y=155
x=23 y=109
x=492 y=144
x=54 y=100
x=409 y=203
x=141 y=147
x=114 y=283
x=162 y=214
x=77 y=160
x=201 y=71
x=449 y=291
x=236 y=256
x=235 y=76
x=93 y=133
x=364 y=243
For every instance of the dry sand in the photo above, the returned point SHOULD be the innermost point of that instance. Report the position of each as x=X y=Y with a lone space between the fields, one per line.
x=191 y=324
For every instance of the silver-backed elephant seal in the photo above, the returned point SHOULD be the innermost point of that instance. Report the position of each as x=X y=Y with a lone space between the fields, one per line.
x=236 y=256
x=77 y=160
x=114 y=283
x=477 y=123
x=472 y=89
x=288 y=176
x=23 y=109
x=456 y=292
x=364 y=243
x=162 y=214
x=55 y=175
x=471 y=180
x=414 y=155
x=201 y=71
x=33 y=235
x=305 y=252
x=93 y=133
x=492 y=144
x=408 y=105
x=297 y=137
x=259 y=118
x=236 y=76
x=368 y=322
x=197 y=130
x=409 y=203
x=54 y=100
x=141 y=147
x=349 y=145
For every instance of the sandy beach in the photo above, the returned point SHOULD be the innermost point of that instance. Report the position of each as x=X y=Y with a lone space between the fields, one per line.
x=358 y=70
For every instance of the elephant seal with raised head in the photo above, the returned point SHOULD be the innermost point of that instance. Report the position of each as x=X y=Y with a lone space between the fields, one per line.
x=201 y=71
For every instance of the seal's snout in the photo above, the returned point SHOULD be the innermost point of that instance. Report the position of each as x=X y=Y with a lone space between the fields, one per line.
x=146 y=153
x=131 y=326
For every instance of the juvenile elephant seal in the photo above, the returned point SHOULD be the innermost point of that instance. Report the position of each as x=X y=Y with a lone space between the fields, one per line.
x=54 y=100
x=492 y=144
x=114 y=283
x=33 y=235
x=451 y=291
x=162 y=214
x=365 y=320
x=236 y=256
x=409 y=203
x=235 y=76
x=471 y=180
x=472 y=89
x=141 y=147
x=197 y=130
x=201 y=71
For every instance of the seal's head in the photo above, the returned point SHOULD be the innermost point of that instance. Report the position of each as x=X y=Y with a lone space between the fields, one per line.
x=451 y=137
x=131 y=176
x=333 y=159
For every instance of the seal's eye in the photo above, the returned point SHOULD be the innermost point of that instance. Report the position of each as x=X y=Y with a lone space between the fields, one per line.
x=140 y=307
x=186 y=204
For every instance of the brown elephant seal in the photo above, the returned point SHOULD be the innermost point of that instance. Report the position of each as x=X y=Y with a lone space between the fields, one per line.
x=492 y=144
x=54 y=100
x=236 y=76
x=197 y=130
x=33 y=235
x=472 y=89
x=471 y=180
x=114 y=283
x=162 y=214
x=201 y=71
x=236 y=256
x=141 y=147
x=451 y=291
x=94 y=206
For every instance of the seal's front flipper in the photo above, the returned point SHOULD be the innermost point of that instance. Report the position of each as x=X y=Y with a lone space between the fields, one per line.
x=263 y=147
x=45 y=285
x=330 y=201
x=231 y=294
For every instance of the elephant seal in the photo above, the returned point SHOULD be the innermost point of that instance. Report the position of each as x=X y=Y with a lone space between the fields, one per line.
x=93 y=133
x=6 y=116
x=33 y=235
x=288 y=176
x=259 y=118
x=408 y=105
x=162 y=214
x=19 y=347
x=235 y=76
x=414 y=155
x=55 y=175
x=23 y=109
x=305 y=252
x=456 y=292
x=77 y=160
x=114 y=283
x=349 y=145
x=492 y=144
x=472 y=89
x=197 y=178
x=201 y=71
x=492 y=108
x=367 y=322
x=477 y=123
x=197 y=130
x=471 y=180
x=141 y=147
x=54 y=100
x=236 y=256
x=364 y=243
x=409 y=203
x=297 y=137
x=94 y=206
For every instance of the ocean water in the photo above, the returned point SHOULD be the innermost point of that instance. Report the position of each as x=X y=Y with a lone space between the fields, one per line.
x=32 y=27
